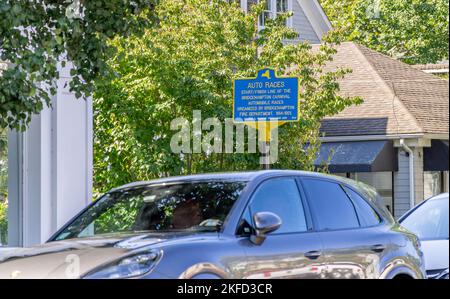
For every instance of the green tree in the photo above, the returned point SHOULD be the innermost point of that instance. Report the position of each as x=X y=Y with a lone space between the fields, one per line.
x=415 y=31
x=3 y=164
x=3 y=187
x=188 y=63
x=35 y=35
x=3 y=222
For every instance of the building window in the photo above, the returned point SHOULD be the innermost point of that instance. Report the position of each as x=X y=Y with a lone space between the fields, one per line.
x=282 y=6
x=433 y=183
x=445 y=180
x=234 y=1
x=3 y=188
x=247 y=4
x=272 y=10
x=266 y=14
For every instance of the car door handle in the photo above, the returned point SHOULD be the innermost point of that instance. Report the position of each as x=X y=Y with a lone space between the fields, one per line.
x=314 y=254
x=378 y=248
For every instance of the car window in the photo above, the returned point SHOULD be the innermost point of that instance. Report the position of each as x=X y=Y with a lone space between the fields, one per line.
x=331 y=205
x=430 y=220
x=196 y=206
x=281 y=197
x=367 y=215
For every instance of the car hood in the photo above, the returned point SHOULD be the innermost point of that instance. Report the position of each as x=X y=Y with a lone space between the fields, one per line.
x=75 y=257
x=436 y=254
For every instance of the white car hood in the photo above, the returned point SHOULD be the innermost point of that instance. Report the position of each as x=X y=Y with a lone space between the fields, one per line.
x=436 y=254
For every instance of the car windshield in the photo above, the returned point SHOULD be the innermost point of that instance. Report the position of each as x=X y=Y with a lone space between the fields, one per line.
x=193 y=206
x=430 y=220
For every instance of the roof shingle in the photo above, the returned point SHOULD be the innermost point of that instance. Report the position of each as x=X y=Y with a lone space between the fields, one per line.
x=398 y=99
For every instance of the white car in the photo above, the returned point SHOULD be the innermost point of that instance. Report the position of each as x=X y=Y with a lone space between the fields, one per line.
x=429 y=221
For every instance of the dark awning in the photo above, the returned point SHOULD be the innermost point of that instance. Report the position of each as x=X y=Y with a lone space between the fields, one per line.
x=435 y=158
x=358 y=156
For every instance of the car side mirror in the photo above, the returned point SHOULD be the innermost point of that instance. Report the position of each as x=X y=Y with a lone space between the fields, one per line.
x=265 y=223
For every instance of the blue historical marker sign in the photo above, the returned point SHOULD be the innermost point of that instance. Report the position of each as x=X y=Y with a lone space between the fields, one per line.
x=266 y=98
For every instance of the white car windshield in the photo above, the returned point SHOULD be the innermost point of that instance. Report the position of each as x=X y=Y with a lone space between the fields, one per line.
x=430 y=220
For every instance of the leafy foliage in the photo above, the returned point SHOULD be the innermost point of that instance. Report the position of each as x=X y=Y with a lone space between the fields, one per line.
x=121 y=217
x=187 y=62
x=415 y=31
x=35 y=35
x=3 y=222
x=3 y=187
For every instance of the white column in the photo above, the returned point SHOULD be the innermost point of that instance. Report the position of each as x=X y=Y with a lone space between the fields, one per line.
x=51 y=173
x=73 y=153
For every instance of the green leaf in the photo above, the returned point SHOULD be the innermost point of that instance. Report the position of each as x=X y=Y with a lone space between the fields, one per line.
x=57 y=35
x=188 y=62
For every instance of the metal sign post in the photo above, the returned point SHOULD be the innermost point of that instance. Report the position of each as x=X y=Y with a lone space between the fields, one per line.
x=265 y=155
x=265 y=102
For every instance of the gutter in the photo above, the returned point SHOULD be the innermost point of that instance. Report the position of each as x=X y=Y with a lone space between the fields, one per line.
x=369 y=137
x=407 y=149
x=436 y=71
x=442 y=136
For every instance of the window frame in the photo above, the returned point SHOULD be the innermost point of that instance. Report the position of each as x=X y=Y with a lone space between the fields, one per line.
x=306 y=209
x=273 y=12
x=53 y=238
x=343 y=186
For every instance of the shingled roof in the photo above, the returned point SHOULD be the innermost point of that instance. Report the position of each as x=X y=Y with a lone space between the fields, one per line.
x=398 y=99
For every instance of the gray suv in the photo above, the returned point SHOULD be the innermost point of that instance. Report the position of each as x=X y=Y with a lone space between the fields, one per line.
x=266 y=224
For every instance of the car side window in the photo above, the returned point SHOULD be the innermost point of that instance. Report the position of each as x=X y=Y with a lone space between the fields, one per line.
x=333 y=208
x=281 y=197
x=366 y=213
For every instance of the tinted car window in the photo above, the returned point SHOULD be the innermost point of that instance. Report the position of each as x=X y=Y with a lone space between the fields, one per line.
x=280 y=196
x=430 y=220
x=197 y=206
x=366 y=213
x=331 y=205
